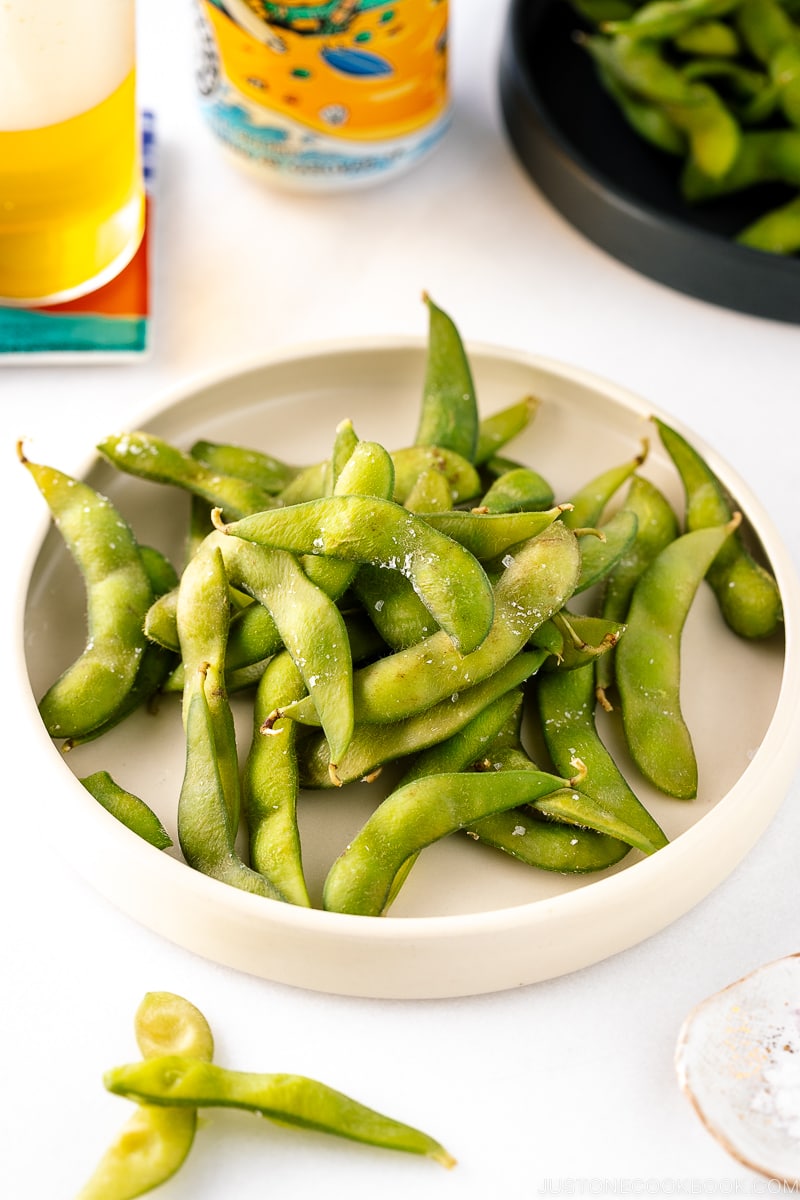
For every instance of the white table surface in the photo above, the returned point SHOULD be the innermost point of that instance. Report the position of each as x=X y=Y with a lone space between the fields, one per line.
x=566 y=1087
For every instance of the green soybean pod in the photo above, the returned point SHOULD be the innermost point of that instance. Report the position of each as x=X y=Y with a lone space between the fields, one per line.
x=603 y=548
x=663 y=19
x=118 y=595
x=584 y=639
x=204 y=827
x=776 y=232
x=566 y=704
x=176 y=1081
x=587 y=505
x=270 y=784
x=746 y=592
x=520 y=832
x=413 y=817
x=357 y=468
x=550 y=845
x=375 y=745
x=764 y=156
x=449 y=411
x=156 y=1141
x=648 y=660
x=310 y=625
x=410 y=462
x=395 y=609
x=496 y=430
x=156 y=664
x=449 y=580
x=160 y=621
x=764 y=27
x=309 y=484
x=568 y=805
x=268 y=473
x=518 y=490
x=712 y=38
x=203 y=618
x=644 y=117
x=712 y=131
x=127 y=808
x=656 y=527
x=431 y=493
x=460 y=752
x=149 y=457
x=488 y=535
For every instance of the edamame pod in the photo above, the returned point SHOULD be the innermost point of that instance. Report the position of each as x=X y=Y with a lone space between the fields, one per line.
x=547 y=844
x=496 y=430
x=118 y=595
x=204 y=828
x=395 y=609
x=268 y=473
x=310 y=627
x=410 y=462
x=521 y=832
x=711 y=38
x=663 y=19
x=289 y=1099
x=587 y=505
x=764 y=156
x=375 y=745
x=415 y=816
x=656 y=527
x=156 y=663
x=127 y=808
x=648 y=660
x=270 y=785
x=518 y=490
x=203 y=618
x=449 y=413
x=156 y=1141
x=584 y=639
x=449 y=580
x=149 y=457
x=602 y=549
x=644 y=117
x=746 y=592
x=568 y=804
x=777 y=232
x=366 y=471
x=431 y=493
x=566 y=702
x=488 y=535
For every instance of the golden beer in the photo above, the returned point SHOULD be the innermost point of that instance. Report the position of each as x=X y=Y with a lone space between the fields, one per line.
x=71 y=191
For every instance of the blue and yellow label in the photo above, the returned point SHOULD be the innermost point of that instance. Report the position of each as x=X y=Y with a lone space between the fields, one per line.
x=350 y=81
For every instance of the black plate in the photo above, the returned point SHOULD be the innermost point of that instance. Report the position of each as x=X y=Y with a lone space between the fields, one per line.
x=619 y=191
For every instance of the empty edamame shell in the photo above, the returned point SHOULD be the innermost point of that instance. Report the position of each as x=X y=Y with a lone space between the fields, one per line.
x=738 y=1062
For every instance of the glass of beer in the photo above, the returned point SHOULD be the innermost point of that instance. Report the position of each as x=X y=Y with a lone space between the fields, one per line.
x=71 y=190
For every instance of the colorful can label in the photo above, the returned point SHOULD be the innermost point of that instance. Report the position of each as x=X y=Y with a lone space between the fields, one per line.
x=325 y=95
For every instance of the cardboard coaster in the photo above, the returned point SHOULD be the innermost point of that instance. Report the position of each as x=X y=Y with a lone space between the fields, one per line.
x=109 y=325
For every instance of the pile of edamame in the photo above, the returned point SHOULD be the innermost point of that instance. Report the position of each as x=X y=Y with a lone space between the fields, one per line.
x=717 y=83
x=403 y=607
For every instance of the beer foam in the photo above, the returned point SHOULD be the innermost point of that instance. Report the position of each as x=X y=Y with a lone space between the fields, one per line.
x=59 y=60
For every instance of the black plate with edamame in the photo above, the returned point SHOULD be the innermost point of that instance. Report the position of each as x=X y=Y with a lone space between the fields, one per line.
x=618 y=190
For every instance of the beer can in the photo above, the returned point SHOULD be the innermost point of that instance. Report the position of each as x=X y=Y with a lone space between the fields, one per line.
x=329 y=95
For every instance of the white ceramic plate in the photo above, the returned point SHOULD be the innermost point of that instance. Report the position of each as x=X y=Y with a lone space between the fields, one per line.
x=469 y=919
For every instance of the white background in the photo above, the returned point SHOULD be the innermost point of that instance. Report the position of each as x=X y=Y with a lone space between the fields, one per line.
x=567 y=1080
